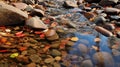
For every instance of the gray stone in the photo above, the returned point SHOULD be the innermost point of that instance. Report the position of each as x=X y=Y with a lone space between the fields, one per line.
x=108 y=2
x=29 y=1
x=83 y=49
x=36 y=23
x=11 y=16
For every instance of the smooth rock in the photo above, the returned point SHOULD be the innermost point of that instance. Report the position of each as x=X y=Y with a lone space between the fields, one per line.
x=103 y=31
x=108 y=2
x=37 y=12
x=103 y=59
x=35 y=58
x=99 y=20
x=21 y=6
x=55 y=53
x=109 y=27
x=70 y=4
x=49 y=60
x=111 y=11
x=51 y=35
x=55 y=64
x=11 y=16
x=87 y=63
x=83 y=49
x=36 y=23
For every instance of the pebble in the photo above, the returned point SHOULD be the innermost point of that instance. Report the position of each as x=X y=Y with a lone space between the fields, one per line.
x=35 y=58
x=49 y=60
x=37 y=12
x=87 y=63
x=55 y=52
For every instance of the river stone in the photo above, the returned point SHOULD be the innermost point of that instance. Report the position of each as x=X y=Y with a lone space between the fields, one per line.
x=103 y=59
x=11 y=16
x=110 y=10
x=83 y=49
x=55 y=64
x=55 y=53
x=35 y=23
x=35 y=58
x=21 y=6
x=109 y=27
x=49 y=60
x=70 y=4
x=37 y=12
x=51 y=35
x=86 y=63
x=29 y=8
x=108 y=2
x=29 y=1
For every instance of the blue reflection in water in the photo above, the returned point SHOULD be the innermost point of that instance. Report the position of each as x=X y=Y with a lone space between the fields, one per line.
x=88 y=40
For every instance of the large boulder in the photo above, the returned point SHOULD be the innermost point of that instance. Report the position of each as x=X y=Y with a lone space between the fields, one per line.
x=10 y=15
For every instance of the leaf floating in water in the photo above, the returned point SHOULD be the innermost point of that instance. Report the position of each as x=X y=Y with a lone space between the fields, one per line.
x=14 y=55
x=74 y=39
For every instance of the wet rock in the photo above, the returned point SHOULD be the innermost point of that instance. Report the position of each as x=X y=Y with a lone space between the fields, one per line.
x=8 y=13
x=35 y=58
x=37 y=12
x=51 y=34
x=86 y=63
x=55 y=53
x=111 y=11
x=103 y=59
x=109 y=27
x=70 y=4
x=70 y=43
x=100 y=20
x=55 y=44
x=21 y=6
x=103 y=31
x=83 y=49
x=36 y=23
x=108 y=2
x=31 y=65
x=49 y=60
x=118 y=34
x=29 y=8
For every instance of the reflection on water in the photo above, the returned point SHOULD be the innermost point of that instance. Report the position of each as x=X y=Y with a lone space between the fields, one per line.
x=83 y=55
